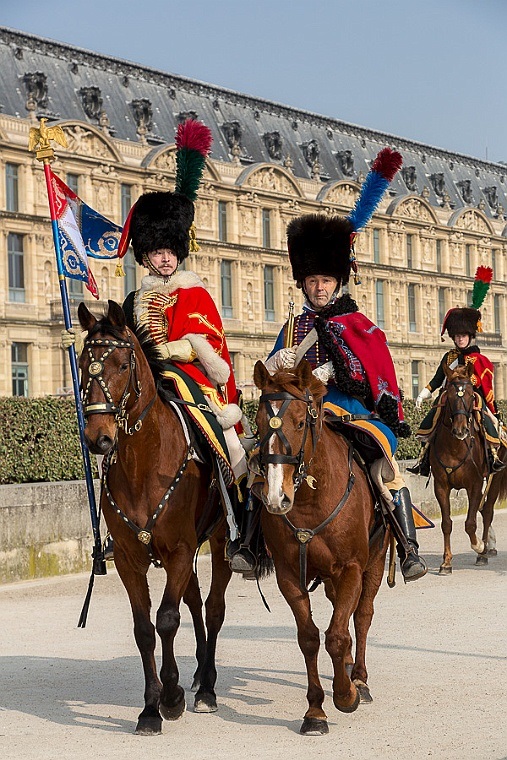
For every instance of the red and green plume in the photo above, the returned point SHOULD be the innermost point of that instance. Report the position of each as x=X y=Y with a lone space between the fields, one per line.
x=193 y=143
x=482 y=281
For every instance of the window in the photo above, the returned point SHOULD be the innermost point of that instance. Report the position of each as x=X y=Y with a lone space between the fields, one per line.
x=494 y=258
x=497 y=313
x=410 y=263
x=441 y=305
x=412 y=320
x=226 y=287
x=75 y=289
x=468 y=260
x=439 y=255
x=222 y=221
x=129 y=262
x=376 y=246
x=11 y=187
x=415 y=379
x=16 y=267
x=73 y=183
x=266 y=228
x=19 y=365
x=269 y=293
x=379 y=297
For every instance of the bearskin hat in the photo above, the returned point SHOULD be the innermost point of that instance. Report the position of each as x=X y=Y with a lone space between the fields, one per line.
x=161 y=220
x=320 y=244
x=462 y=321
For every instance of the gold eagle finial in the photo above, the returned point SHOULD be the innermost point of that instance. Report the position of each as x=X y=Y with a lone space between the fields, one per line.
x=39 y=138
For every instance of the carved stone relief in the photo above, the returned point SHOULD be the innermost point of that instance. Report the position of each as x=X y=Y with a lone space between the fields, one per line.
x=248 y=218
x=86 y=143
x=36 y=89
x=491 y=194
x=346 y=162
x=410 y=177
x=471 y=220
x=91 y=100
x=204 y=213
x=343 y=195
x=465 y=188
x=166 y=161
x=274 y=144
x=414 y=209
x=311 y=152
x=271 y=179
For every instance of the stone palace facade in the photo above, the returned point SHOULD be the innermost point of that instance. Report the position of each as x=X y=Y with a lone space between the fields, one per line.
x=443 y=215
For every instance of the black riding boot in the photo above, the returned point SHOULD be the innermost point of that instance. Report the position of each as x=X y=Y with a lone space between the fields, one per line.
x=412 y=566
x=241 y=553
x=422 y=466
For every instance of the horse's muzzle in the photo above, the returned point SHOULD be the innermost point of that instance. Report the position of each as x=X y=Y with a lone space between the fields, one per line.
x=280 y=508
x=102 y=445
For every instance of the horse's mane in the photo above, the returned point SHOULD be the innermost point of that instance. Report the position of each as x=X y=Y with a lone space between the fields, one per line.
x=292 y=383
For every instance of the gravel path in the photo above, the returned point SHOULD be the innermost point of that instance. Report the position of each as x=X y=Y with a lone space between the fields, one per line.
x=437 y=664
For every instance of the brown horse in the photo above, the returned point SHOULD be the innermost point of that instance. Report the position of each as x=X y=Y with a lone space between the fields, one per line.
x=309 y=472
x=458 y=459
x=153 y=498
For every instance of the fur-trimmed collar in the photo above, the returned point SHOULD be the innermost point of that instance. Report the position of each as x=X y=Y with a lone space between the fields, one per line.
x=180 y=279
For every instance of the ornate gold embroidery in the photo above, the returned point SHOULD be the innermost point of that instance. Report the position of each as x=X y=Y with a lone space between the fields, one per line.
x=205 y=321
x=151 y=310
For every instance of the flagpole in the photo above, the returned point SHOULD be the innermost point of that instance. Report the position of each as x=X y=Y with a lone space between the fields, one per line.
x=40 y=142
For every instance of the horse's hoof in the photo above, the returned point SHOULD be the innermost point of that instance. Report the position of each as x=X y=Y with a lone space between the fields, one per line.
x=314 y=727
x=348 y=708
x=174 y=711
x=492 y=552
x=445 y=570
x=149 y=723
x=205 y=703
x=481 y=559
x=364 y=692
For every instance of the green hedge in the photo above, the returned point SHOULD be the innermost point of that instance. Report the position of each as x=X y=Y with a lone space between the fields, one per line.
x=39 y=440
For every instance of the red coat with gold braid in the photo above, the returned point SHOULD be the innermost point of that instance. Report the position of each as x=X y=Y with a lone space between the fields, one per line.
x=482 y=378
x=179 y=308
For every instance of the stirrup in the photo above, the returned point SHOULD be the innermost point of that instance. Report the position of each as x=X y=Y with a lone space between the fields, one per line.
x=243 y=561
x=108 y=548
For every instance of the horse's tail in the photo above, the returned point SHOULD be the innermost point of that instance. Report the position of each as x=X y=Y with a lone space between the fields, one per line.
x=265 y=564
x=501 y=484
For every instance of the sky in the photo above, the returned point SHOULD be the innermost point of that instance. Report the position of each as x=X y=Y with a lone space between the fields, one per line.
x=427 y=70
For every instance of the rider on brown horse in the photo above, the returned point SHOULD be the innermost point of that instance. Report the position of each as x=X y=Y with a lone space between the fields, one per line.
x=349 y=355
x=462 y=325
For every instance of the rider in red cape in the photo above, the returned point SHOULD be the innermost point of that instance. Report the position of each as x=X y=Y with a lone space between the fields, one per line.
x=173 y=311
x=349 y=353
x=462 y=324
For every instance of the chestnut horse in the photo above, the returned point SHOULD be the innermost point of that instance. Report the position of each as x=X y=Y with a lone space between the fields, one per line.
x=458 y=459
x=317 y=523
x=153 y=497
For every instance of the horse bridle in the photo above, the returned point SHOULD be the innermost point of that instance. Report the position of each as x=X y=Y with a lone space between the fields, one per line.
x=460 y=385
x=276 y=429
x=95 y=372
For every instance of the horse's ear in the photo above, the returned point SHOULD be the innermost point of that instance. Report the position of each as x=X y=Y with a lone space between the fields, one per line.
x=261 y=375
x=86 y=318
x=116 y=315
x=448 y=372
x=304 y=374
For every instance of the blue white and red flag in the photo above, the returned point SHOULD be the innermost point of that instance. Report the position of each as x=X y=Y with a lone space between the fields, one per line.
x=82 y=232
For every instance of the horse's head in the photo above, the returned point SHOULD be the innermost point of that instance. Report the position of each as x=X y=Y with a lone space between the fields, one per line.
x=110 y=385
x=287 y=421
x=459 y=401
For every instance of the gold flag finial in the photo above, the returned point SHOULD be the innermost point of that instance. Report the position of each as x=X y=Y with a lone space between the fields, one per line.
x=39 y=139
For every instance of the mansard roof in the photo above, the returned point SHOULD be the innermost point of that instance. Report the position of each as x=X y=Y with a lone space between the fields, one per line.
x=46 y=78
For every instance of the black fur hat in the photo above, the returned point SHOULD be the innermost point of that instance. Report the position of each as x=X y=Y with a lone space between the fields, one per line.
x=320 y=244
x=462 y=321
x=161 y=220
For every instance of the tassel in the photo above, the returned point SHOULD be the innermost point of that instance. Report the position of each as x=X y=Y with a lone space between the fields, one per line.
x=119 y=272
x=192 y=233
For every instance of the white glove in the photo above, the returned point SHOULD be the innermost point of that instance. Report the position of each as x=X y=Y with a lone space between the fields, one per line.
x=176 y=350
x=424 y=395
x=72 y=338
x=285 y=358
x=324 y=373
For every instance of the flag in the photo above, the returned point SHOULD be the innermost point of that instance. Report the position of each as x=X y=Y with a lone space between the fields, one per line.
x=82 y=232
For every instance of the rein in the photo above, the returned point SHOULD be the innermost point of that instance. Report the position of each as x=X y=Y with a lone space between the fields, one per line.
x=305 y=535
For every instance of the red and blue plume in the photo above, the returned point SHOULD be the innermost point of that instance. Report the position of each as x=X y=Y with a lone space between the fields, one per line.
x=483 y=277
x=193 y=143
x=381 y=174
